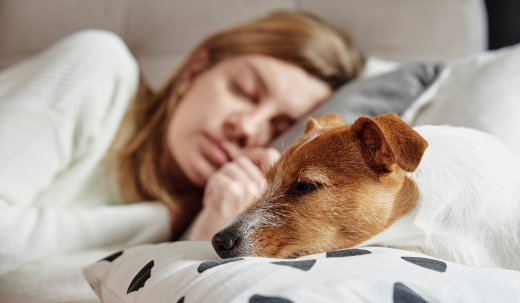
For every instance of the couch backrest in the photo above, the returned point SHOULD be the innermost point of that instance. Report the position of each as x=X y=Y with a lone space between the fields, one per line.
x=161 y=32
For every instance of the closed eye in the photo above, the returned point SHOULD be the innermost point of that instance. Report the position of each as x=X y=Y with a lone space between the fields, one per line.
x=238 y=89
x=242 y=92
x=280 y=124
x=302 y=188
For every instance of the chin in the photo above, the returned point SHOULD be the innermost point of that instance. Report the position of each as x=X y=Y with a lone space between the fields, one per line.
x=199 y=177
x=197 y=165
x=202 y=170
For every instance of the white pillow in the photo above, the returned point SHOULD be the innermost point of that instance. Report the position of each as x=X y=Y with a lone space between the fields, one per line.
x=481 y=92
x=192 y=272
x=375 y=67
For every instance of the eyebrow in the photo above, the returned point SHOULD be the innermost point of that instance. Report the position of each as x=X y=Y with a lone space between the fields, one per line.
x=258 y=77
x=314 y=175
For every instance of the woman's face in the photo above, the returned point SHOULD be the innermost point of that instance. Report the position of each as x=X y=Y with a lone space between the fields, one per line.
x=241 y=102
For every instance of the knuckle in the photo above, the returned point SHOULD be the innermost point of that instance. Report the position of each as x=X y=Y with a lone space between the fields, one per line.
x=227 y=166
x=242 y=159
x=212 y=180
x=237 y=189
x=273 y=154
x=215 y=178
x=234 y=188
x=272 y=151
x=252 y=190
x=260 y=184
x=244 y=162
x=229 y=169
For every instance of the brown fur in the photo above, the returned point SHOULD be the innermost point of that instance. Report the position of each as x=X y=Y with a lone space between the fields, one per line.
x=363 y=187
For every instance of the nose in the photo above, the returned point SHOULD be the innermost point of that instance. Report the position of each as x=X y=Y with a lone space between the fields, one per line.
x=240 y=129
x=225 y=243
x=247 y=129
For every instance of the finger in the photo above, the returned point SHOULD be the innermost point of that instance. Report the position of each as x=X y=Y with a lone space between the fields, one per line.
x=249 y=186
x=251 y=169
x=234 y=150
x=227 y=196
x=256 y=183
x=216 y=181
x=263 y=157
x=232 y=196
x=235 y=172
x=213 y=190
x=244 y=184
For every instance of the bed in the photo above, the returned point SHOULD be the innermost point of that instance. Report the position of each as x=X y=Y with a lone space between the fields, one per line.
x=414 y=61
x=421 y=93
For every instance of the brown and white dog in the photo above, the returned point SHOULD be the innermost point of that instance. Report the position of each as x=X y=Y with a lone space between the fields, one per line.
x=449 y=192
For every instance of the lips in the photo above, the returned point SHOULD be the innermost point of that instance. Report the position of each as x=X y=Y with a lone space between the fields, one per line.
x=217 y=152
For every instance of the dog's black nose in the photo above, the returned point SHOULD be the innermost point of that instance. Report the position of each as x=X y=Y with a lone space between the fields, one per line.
x=224 y=243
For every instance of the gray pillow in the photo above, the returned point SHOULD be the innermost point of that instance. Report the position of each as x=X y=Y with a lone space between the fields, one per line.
x=392 y=92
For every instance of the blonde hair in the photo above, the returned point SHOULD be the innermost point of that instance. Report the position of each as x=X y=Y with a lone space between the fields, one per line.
x=318 y=47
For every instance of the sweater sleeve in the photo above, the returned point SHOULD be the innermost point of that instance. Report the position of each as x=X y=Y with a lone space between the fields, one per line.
x=29 y=233
x=55 y=111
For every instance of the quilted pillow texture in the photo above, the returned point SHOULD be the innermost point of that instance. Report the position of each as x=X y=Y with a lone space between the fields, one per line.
x=192 y=272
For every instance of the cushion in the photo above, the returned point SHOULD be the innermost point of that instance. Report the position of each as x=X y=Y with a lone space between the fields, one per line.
x=192 y=272
x=481 y=92
x=391 y=92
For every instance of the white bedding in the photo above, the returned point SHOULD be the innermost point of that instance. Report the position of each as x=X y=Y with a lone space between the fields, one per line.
x=185 y=272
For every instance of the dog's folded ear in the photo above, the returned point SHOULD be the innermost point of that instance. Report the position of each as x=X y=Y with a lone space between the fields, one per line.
x=387 y=140
x=323 y=121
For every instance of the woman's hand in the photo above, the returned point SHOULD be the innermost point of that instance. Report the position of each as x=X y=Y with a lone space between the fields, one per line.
x=231 y=189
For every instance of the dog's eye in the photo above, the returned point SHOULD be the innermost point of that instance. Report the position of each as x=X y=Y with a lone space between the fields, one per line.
x=304 y=187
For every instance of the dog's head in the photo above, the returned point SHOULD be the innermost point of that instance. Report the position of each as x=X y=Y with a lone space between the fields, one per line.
x=336 y=187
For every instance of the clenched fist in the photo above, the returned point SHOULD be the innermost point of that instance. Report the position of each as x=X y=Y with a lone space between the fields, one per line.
x=231 y=189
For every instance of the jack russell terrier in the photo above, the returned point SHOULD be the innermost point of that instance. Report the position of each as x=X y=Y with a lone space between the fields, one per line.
x=449 y=192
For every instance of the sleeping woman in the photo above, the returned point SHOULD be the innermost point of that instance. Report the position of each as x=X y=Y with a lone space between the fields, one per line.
x=92 y=161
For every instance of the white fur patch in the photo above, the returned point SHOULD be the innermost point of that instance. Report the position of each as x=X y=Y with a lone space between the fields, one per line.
x=469 y=206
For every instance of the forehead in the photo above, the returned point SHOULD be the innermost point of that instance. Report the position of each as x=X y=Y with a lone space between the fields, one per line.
x=319 y=141
x=324 y=148
x=289 y=86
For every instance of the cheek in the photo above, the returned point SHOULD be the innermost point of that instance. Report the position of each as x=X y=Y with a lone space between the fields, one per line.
x=362 y=216
x=199 y=102
x=207 y=110
x=210 y=95
x=181 y=126
x=200 y=110
x=184 y=141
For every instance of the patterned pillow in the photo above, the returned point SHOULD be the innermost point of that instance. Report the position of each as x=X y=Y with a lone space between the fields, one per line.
x=192 y=272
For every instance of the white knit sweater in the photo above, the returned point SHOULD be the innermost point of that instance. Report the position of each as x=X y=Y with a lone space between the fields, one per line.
x=59 y=205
